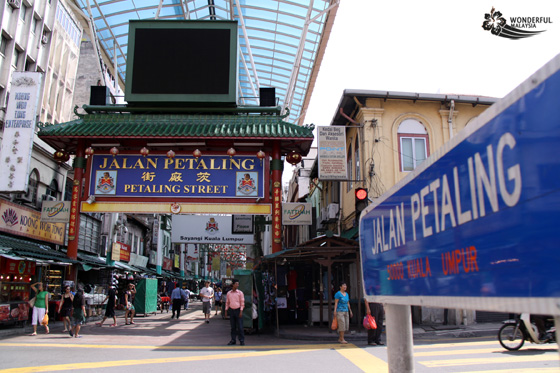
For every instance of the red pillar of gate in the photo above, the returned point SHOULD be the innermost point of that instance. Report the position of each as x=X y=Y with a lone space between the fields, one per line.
x=276 y=167
x=74 y=223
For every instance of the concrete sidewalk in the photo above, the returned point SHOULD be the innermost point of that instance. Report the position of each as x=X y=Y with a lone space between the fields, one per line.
x=218 y=329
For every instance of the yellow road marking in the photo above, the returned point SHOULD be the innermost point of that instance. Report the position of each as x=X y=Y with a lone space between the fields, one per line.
x=364 y=360
x=118 y=363
x=521 y=370
x=469 y=351
x=489 y=360
x=142 y=347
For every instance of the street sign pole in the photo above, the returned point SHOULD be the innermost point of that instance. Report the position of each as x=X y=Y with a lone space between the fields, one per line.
x=399 y=338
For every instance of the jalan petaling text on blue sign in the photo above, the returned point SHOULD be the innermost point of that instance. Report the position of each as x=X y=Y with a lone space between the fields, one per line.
x=482 y=220
x=160 y=176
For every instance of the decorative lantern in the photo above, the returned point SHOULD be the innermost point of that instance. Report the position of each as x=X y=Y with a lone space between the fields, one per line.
x=293 y=158
x=231 y=152
x=144 y=151
x=261 y=155
x=114 y=150
x=196 y=154
x=90 y=151
x=61 y=156
x=171 y=154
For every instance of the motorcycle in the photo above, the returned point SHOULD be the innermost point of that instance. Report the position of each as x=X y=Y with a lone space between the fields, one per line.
x=513 y=334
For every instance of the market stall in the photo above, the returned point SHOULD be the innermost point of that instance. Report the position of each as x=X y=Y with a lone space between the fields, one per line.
x=16 y=275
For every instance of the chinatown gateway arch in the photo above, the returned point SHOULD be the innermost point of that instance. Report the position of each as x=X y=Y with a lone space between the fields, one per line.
x=202 y=134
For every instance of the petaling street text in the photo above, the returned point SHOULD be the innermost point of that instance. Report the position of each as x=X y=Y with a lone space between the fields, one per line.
x=176 y=189
x=177 y=163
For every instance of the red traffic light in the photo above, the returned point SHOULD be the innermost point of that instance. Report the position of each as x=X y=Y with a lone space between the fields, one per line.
x=361 y=193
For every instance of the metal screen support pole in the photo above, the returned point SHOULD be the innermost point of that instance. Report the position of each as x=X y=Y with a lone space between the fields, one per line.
x=399 y=338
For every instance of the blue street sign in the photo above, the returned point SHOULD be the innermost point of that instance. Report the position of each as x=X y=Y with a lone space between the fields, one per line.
x=479 y=219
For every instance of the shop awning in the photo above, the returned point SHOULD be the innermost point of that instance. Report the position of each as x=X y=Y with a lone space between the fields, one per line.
x=351 y=233
x=126 y=267
x=91 y=261
x=30 y=250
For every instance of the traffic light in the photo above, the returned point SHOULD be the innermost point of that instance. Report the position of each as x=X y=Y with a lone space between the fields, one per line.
x=361 y=200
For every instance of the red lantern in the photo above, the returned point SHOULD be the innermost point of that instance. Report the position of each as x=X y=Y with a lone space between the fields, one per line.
x=293 y=158
x=114 y=150
x=196 y=154
x=89 y=151
x=171 y=154
x=144 y=151
x=261 y=155
x=231 y=152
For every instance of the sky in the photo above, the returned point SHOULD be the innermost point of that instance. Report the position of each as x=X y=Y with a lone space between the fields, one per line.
x=429 y=46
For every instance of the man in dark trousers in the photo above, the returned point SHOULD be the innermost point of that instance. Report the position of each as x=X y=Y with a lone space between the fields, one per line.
x=235 y=303
x=178 y=297
x=374 y=335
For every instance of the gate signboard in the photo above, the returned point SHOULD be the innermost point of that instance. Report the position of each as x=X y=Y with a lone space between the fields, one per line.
x=476 y=225
x=212 y=177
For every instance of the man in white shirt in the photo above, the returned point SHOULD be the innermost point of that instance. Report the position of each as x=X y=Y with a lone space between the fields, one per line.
x=207 y=293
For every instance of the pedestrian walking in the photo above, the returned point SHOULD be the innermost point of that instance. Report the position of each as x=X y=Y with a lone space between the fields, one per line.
x=374 y=335
x=79 y=313
x=188 y=293
x=111 y=300
x=129 y=302
x=40 y=308
x=177 y=299
x=65 y=308
x=342 y=312
x=218 y=299
x=235 y=302
x=207 y=293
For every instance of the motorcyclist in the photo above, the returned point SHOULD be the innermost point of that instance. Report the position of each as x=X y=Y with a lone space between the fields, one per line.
x=540 y=322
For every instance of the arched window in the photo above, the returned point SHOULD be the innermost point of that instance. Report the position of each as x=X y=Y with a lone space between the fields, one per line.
x=357 y=159
x=52 y=189
x=349 y=168
x=33 y=187
x=413 y=144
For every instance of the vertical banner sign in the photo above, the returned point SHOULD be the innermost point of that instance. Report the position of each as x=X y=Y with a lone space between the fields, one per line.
x=19 y=130
x=277 y=212
x=73 y=210
x=332 y=153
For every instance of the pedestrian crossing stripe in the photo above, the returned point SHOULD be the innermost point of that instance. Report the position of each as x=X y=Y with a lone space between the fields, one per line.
x=364 y=360
x=510 y=359
x=470 y=351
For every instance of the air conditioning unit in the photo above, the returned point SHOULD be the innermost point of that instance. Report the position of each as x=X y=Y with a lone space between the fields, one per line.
x=324 y=215
x=23 y=197
x=46 y=197
x=45 y=39
x=332 y=212
x=14 y=3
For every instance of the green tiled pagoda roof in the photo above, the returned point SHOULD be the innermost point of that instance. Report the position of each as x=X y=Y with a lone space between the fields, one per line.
x=173 y=126
x=178 y=126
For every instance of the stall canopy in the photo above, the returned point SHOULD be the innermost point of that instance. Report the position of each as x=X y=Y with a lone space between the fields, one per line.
x=325 y=251
x=30 y=250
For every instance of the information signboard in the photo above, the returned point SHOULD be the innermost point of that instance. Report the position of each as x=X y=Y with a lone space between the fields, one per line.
x=475 y=226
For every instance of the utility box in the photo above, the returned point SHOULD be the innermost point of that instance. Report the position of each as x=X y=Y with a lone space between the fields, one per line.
x=145 y=301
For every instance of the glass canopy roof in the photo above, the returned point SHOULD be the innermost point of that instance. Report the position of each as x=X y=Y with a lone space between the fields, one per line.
x=281 y=41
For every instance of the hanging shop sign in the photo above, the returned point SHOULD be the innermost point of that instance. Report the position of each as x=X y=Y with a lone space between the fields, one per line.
x=242 y=224
x=21 y=221
x=19 y=130
x=332 y=153
x=296 y=213
x=167 y=264
x=125 y=252
x=55 y=211
x=160 y=176
x=18 y=267
x=206 y=229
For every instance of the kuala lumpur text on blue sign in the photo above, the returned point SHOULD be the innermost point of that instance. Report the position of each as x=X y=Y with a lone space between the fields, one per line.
x=445 y=207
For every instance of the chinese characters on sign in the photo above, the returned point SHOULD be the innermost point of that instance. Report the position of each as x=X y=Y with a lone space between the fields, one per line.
x=159 y=176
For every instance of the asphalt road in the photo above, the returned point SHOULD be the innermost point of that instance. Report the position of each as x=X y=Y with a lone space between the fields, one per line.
x=159 y=344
